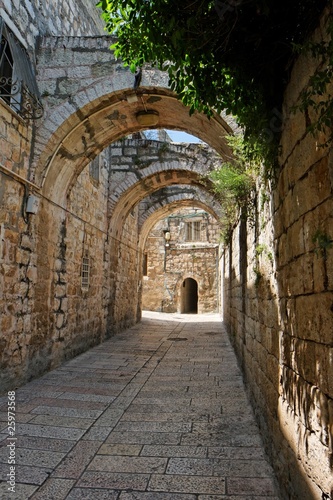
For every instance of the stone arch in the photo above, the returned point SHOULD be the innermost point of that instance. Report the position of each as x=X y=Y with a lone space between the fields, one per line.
x=131 y=197
x=166 y=196
x=204 y=201
x=84 y=115
x=137 y=191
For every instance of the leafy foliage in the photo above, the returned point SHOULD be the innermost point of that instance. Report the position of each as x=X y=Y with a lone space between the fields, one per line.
x=234 y=185
x=324 y=242
x=227 y=55
x=316 y=95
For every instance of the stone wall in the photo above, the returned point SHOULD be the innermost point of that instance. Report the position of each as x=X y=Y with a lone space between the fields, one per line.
x=127 y=282
x=278 y=306
x=35 y=18
x=169 y=263
x=47 y=314
x=25 y=260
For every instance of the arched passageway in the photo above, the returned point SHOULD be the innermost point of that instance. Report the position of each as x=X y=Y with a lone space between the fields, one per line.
x=181 y=244
x=189 y=296
x=70 y=270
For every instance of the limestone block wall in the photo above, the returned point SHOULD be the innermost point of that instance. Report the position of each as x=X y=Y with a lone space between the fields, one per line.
x=278 y=305
x=17 y=240
x=47 y=315
x=22 y=320
x=48 y=17
x=127 y=280
x=169 y=265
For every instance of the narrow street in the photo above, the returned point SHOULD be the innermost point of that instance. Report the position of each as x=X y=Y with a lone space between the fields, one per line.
x=158 y=412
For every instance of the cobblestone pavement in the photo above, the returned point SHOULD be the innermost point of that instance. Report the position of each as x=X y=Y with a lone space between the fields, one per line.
x=158 y=412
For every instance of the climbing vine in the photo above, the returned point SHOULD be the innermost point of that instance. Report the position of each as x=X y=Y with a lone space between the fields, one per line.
x=323 y=243
x=234 y=185
x=220 y=55
x=317 y=95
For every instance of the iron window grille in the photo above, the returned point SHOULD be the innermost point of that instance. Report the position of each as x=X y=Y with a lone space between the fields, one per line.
x=18 y=86
x=85 y=272
x=193 y=231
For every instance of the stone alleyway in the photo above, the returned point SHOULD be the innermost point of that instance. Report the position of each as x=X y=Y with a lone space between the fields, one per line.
x=158 y=412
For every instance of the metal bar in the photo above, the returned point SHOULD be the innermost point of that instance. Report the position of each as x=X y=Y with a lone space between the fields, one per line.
x=18 y=177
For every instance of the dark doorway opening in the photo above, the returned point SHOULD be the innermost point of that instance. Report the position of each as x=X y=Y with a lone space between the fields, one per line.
x=189 y=297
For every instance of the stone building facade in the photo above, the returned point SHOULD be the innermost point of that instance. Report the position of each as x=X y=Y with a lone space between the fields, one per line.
x=181 y=264
x=72 y=240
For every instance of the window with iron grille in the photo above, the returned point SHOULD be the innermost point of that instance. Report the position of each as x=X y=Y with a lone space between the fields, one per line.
x=193 y=231
x=18 y=87
x=85 y=272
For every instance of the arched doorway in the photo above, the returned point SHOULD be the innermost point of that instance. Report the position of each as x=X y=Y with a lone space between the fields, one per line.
x=189 y=297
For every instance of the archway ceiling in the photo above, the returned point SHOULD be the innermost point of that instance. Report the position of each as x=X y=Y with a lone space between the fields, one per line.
x=191 y=195
x=147 y=185
x=80 y=138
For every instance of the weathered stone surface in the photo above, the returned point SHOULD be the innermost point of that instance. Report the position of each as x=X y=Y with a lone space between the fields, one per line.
x=169 y=263
x=284 y=346
x=277 y=301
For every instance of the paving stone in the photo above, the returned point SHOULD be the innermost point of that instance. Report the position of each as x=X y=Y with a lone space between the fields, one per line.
x=49 y=431
x=207 y=439
x=247 y=468
x=144 y=438
x=19 y=417
x=255 y=486
x=69 y=422
x=88 y=397
x=92 y=493
x=155 y=496
x=174 y=451
x=153 y=427
x=77 y=460
x=193 y=466
x=155 y=409
x=43 y=443
x=32 y=393
x=66 y=412
x=121 y=449
x=119 y=481
x=40 y=458
x=54 y=489
x=22 y=491
x=142 y=418
x=96 y=433
x=110 y=417
x=237 y=497
x=60 y=403
x=237 y=452
x=186 y=484
x=128 y=464
x=26 y=474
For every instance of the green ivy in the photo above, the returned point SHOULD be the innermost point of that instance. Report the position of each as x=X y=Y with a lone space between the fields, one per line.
x=317 y=95
x=228 y=55
x=323 y=241
x=234 y=185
